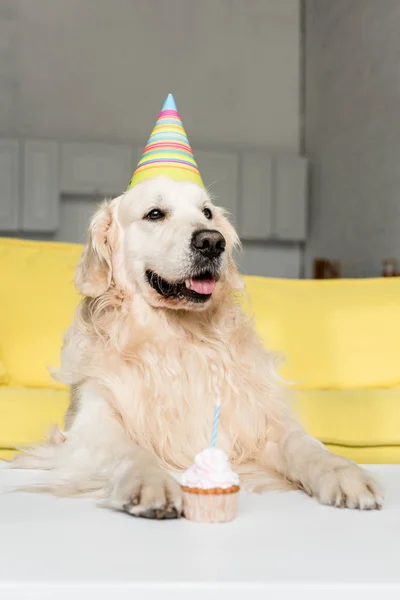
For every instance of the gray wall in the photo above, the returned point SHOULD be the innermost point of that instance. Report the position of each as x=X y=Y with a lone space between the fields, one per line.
x=99 y=70
x=352 y=127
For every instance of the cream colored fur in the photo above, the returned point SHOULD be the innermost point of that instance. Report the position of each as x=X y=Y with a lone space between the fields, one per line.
x=145 y=373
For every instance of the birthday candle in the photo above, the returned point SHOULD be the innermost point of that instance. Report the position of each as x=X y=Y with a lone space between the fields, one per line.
x=215 y=425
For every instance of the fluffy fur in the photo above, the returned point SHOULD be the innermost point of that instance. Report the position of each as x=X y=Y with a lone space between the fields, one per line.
x=145 y=370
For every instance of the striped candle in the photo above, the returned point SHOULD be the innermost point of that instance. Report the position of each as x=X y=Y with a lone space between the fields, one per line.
x=215 y=424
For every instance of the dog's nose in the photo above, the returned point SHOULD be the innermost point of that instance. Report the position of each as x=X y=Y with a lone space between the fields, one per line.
x=208 y=242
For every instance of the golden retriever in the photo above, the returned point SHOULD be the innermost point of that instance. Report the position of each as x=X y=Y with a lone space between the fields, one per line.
x=158 y=335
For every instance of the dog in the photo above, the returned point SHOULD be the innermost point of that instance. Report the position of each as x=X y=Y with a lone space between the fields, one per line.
x=159 y=334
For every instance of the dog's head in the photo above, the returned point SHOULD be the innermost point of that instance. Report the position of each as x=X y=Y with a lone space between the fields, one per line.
x=164 y=239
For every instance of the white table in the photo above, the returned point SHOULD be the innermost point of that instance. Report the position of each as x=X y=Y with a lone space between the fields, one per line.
x=280 y=546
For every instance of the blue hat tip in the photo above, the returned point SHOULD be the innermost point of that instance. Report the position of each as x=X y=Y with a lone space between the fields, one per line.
x=169 y=104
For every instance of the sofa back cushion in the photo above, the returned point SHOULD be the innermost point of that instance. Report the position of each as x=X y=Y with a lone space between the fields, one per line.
x=336 y=334
x=37 y=303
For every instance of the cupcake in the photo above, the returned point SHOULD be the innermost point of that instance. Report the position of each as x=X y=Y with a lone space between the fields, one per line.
x=210 y=488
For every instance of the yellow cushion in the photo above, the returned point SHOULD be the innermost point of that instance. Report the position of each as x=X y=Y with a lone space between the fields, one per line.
x=339 y=334
x=37 y=303
x=368 y=455
x=4 y=378
x=351 y=417
x=26 y=415
x=7 y=454
x=336 y=334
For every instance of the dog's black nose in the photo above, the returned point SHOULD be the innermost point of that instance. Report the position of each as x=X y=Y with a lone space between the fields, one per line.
x=208 y=242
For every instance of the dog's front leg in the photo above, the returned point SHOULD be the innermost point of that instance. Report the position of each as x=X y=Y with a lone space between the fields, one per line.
x=331 y=479
x=134 y=480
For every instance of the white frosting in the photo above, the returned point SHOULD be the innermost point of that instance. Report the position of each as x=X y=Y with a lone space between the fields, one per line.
x=211 y=469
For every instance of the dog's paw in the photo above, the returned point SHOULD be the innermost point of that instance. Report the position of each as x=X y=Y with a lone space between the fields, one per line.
x=156 y=497
x=345 y=485
x=150 y=494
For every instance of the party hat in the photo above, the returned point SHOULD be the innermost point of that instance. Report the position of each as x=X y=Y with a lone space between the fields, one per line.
x=168 y=151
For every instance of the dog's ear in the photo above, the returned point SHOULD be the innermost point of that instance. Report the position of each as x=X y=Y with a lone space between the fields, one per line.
x=232 y=244
x=93 y=274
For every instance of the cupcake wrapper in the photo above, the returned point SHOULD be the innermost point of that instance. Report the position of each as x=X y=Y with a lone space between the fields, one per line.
x=210 y=508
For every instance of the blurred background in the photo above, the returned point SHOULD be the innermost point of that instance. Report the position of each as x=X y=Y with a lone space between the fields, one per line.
x=291 y=108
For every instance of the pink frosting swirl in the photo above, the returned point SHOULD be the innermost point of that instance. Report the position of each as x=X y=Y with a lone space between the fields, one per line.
x=211 y=469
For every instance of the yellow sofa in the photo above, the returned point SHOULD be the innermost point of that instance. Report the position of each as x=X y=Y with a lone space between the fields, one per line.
x=341 y=339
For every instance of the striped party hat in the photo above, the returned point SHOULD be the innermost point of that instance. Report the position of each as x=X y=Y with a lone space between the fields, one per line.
x=168 y=151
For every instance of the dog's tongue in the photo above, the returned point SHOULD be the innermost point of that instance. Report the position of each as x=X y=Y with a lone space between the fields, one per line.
x=203 y=286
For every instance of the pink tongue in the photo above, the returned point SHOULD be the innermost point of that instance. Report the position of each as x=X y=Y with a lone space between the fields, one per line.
x=203 y=286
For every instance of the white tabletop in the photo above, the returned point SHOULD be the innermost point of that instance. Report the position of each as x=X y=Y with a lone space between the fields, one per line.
x=59 y=548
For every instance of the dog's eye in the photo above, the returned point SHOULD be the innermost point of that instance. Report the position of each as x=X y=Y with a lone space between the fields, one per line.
x=155 y=215
x=207 y=213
